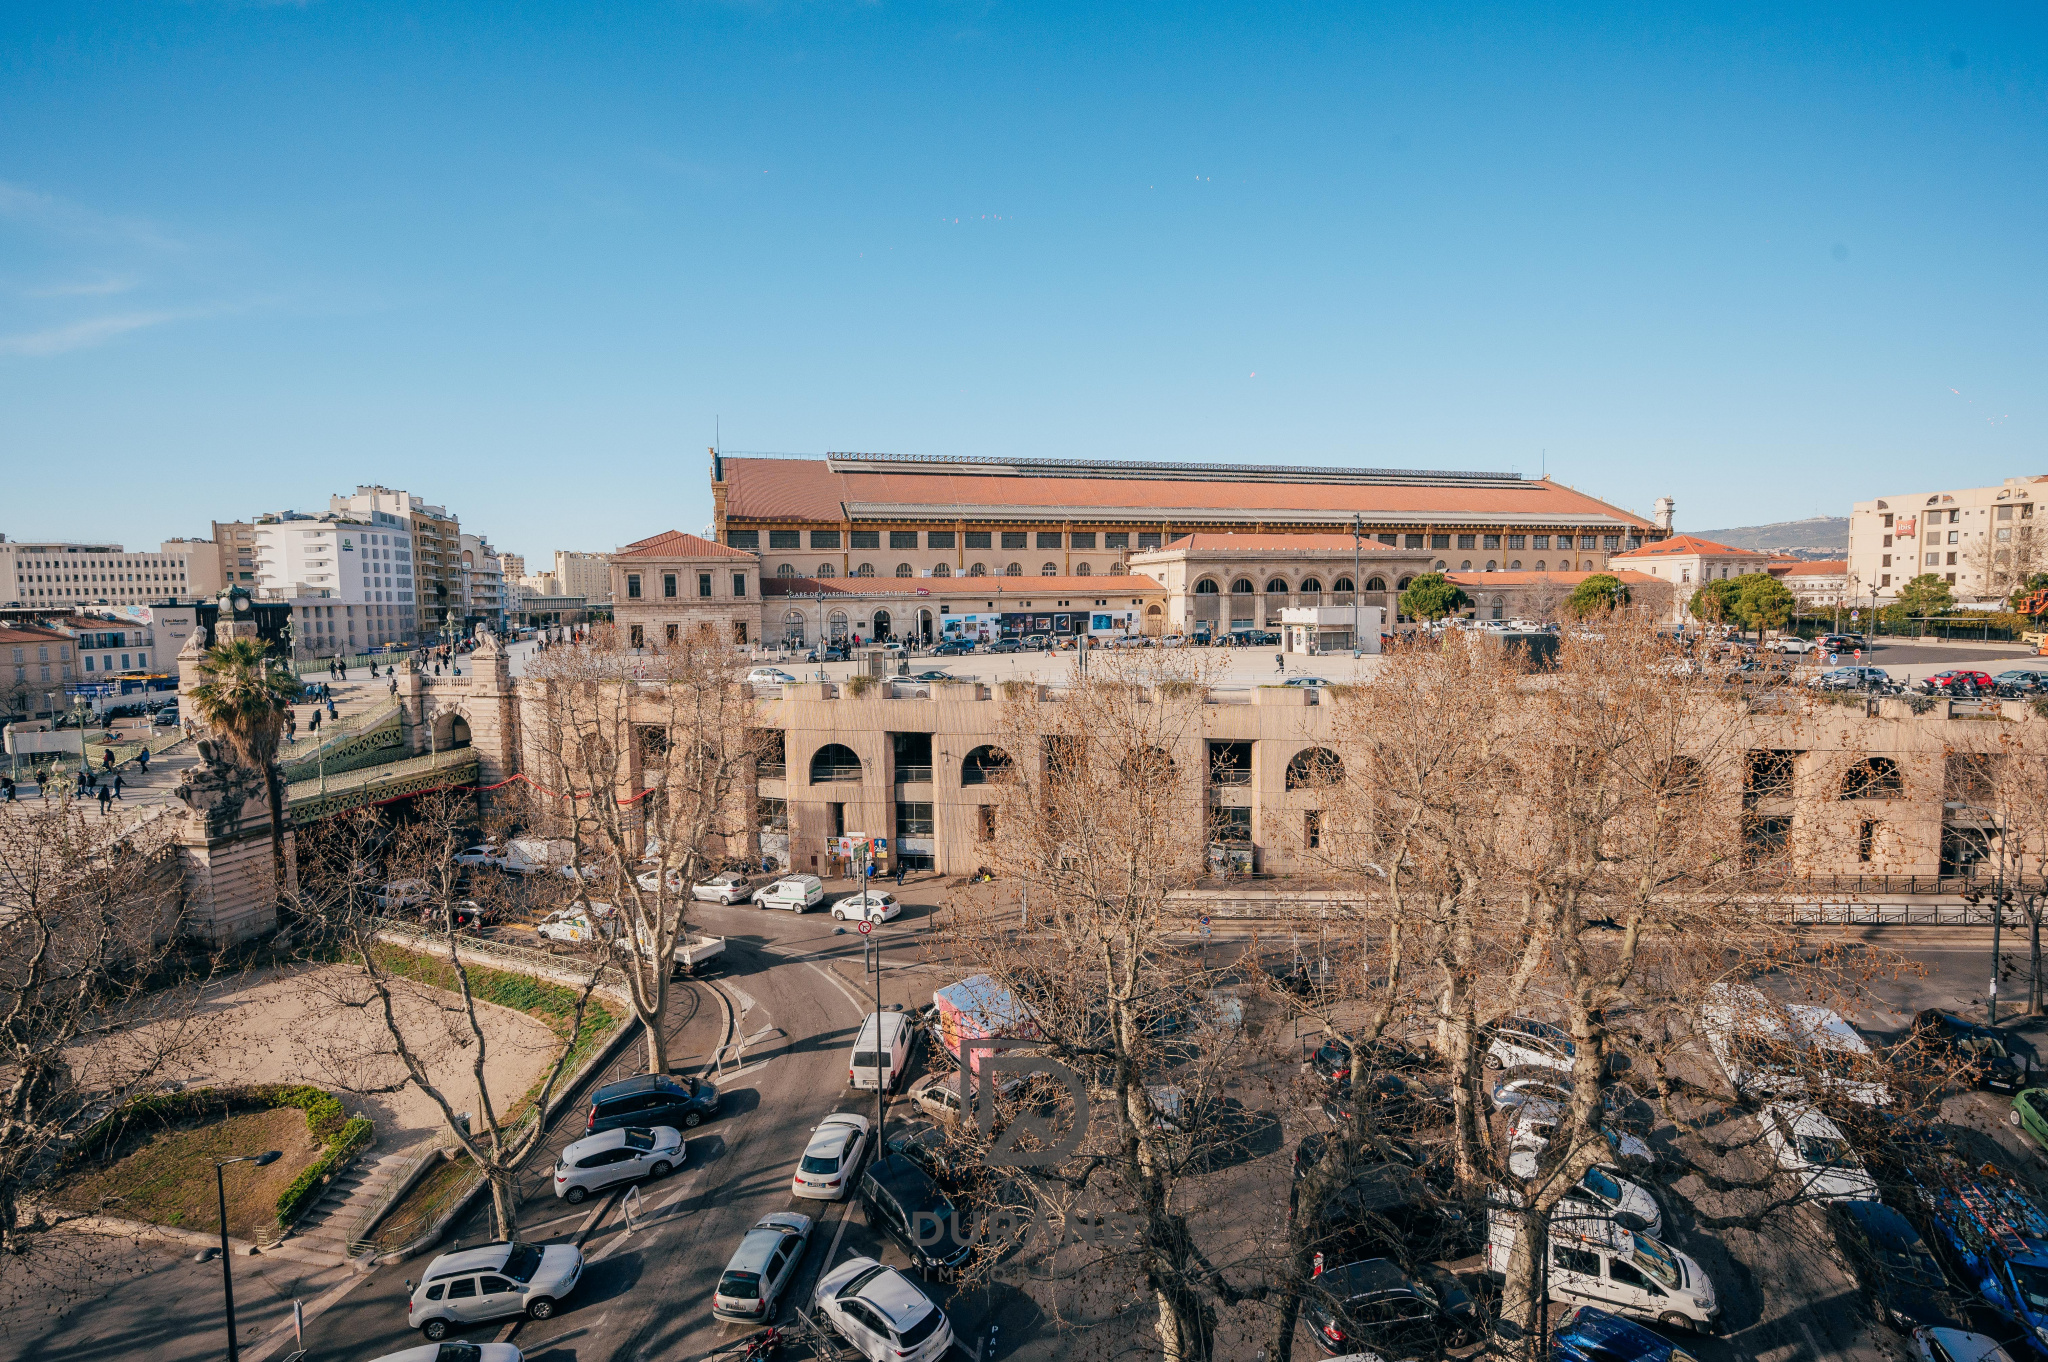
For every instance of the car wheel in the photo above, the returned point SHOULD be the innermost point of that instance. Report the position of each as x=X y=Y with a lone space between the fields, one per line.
x=838 y=916
x=1671 y=1319
x=2013 y=1116
x=434 y=1330
x=576 y=1196
x=1490 y=1060
x=541 y=1307
x=691 y=1120
x=662 y=1168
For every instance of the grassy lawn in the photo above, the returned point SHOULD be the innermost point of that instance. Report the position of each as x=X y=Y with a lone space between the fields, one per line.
x=166 y=1177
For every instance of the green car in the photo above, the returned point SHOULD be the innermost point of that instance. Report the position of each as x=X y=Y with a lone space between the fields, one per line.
x=2030 y=1113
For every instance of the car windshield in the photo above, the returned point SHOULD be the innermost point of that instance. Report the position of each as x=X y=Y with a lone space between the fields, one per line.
x=2032 y=1281
x=639 y=1139
x=1660 y=1262
x=740 y=1286
x=1982 y=1046
x=1913 y=1267
x=860 y=1279
x=820 y=1163
x=1827 y=1151
x=522 y=1262
x=920 y=1331
x=1602 y=1186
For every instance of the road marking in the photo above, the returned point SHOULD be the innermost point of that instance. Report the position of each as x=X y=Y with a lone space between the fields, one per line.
x=845 y=1214
x=838 y=983
x=740 y=996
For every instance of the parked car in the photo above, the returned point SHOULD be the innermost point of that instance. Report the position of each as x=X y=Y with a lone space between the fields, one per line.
x=1374 y=1304
x=1813 y=1149
x=1961 y=680
x=1957 y=1345
x=728 y=886
x=650 y=881
x=1976 y=1053
x=938 y=1095
x=463 y=915
x=1598 y=1262
x=882 y=1313
x=831 y=652
x=1586 y=1333
x=930 y=676
x=1520 y=1042
x=1304 y=681
x=1791 y=644
x=652 y=1100
x=825 y=1173
x=2030 y=1113
x=1331 y=1062
x=2019 y=683
x=870 y=905
x=574 y=927
x=469 y=1352
x=1394 y=1098
x=1891 y=1264
x=401 y=894
x=1530 y=1128
x=1006 y=645
x=626 y=1154
x=881 y=1051
x=928 y=1146
x=768 y=676
x=794 y=892
x=1624 y=1108
x=907 y=1203
x=474 y=1285
x=765 y=1262
x=953 y=647
x=482 y=854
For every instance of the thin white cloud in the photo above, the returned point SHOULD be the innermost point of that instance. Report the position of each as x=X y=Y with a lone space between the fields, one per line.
x=81 y=335
x=19 y=203
x=102 y=287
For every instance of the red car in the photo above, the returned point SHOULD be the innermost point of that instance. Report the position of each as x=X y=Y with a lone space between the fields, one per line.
x=1944 y=680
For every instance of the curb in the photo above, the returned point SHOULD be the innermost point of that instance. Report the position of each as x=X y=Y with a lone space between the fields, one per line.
x=142 y=1229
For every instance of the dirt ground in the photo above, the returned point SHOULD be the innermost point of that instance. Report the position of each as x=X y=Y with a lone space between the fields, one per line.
x=168 y=1179
x=313 y=1024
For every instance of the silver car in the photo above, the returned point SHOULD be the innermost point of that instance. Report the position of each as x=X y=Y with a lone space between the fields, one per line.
x=491 y=1282
x=596 y=1162
x=826 y=1170
x=761 y=1266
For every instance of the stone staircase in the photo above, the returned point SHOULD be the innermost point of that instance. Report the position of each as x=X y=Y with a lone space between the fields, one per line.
x=329 y=1226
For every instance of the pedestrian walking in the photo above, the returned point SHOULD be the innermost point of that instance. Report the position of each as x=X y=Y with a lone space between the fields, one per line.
x=344 y=671
x=394 y=685
x=1280 y=663
x=291 y=727
x=901 y=871
x=117 y=784
x=106 y=801
x=107 y=758
x=314 y=726
x=6 y=789
x=330 y=708
x=142 y=761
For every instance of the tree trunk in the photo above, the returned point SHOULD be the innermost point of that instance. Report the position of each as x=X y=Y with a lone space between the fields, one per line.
x=652 y=1014
x=273 y=790
x=2034 y=960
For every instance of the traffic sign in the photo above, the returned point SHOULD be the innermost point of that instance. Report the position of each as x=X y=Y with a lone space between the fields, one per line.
x=865 y=927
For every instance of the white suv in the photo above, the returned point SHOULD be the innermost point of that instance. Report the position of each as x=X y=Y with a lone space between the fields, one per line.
x=882 y=1313
x=492 y=1282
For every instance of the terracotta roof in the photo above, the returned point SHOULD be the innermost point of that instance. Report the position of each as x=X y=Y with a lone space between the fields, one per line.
x=676 y=544
x=20 y=633
x=811 y=490
x=1686 y=544
x=1502 y=579
x=1830 y=567
x=957 y=586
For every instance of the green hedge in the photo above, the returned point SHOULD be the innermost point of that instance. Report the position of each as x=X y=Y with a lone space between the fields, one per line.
x=325 y=1120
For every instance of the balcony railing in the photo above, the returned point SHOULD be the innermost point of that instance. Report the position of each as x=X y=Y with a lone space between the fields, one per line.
x=771 y=770
x=1230 y=775
x=825 y=775
x=913 y=775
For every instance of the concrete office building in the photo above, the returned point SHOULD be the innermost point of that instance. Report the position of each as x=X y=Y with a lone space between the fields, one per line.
x=1982 y=541
x=583 y=574
x=62 y=575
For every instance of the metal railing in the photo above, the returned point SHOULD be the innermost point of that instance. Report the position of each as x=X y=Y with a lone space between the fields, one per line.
x=913 y=775
x=1230 y=775
x=825 y=775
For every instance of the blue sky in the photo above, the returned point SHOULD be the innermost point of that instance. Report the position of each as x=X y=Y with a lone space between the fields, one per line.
x=517 y=258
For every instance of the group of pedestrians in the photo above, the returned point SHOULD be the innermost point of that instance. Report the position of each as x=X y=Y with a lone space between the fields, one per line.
x=104 y=785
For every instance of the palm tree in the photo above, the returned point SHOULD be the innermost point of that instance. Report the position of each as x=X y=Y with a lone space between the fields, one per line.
x=244 y=700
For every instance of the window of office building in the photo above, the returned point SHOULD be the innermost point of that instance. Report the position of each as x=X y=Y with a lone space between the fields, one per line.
x=785 y=539
x=824 y=539
x=1048 y=539
x=939 y=539
x=1466 y=541
x=865 y=539
x=632 y=586
x=1081 y=539
x=980 y=539
x=903 y=539
x=1116 y=539
x=668 y=585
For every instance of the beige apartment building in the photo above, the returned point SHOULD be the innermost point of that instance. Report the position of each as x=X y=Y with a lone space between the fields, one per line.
x=235 y=550
x=584 y=574
x=675 y=586
x=891 y=515
x=438 y=597
x=1982 y=541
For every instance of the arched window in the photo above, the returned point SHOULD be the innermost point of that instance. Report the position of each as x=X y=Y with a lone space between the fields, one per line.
x=1490 y=567
x=1465 y=566
x=985 y=766
x=1205 y=587
x=864 y=570
x=942 y=570
x=1049 y=570
x=1402 y=585
x=977 y=569
x=1242 y=587
x=878 y=627
x=1083 y=570
x=1314 y=768
x=786 y=570
x=1014 y=570
x=1873 y=778
x=827 y=570
x=1371 y=584
x=904 y=570
x=1277 y=587
x=1515 y=566
x=793 y=626
x=834 y=762
x=836 y=623
x=1539 y=565
x=1440 y=565
x=1311 y=586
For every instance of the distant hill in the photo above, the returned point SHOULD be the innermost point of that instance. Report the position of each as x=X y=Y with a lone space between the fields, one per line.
x=1820 y=536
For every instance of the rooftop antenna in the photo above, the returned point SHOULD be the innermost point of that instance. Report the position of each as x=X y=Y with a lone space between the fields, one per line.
x=716 y=441
x=1546 y=461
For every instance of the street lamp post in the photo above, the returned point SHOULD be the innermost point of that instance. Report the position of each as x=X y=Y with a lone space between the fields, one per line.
x=227 y=1271
x=1357 y=534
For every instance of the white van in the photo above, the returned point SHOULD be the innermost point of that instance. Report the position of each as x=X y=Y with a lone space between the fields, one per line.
x=1596 y=1262
x=794 y=892
x=881 y=1052
x=1769 y=1048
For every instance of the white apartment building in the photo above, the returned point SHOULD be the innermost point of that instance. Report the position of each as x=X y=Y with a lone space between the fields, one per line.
x=436 y=549
x=350 y=579
x=61 y=575
x=483 y=583
x=1982 y=541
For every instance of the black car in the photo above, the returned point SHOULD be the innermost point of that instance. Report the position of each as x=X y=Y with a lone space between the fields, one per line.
x=904 y=1202
x=953 y=647
x=931 y=1147
x=2015 y=684
x=1976 y=1053
x=1374 y=1305
x=829 y=653
x=1006 y=645
x=1892 y=1266
x=1853 y=678
x=1393 y=1099
x=652 y=1100
x=1332 y=1061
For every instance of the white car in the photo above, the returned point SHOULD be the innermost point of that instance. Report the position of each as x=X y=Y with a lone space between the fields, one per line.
x=1603 y=1191
x=402 y=894
x=650 y=882
x=1521 y=1043
x=476 y=1352
x=825 y=1173
x=595 y=1162
x=1791 y=645
x=1529 y=1132
x=484 y=853
x=726 y=887
x=1813 y=1149
x=794 y=892
x=768 y=676
x=573 y=927
x=1953 y=1345
x=882 y=1313
x=766 y=1261
x=870 y=905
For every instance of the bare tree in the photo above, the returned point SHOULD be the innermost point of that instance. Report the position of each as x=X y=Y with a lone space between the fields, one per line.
x=647 y=767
